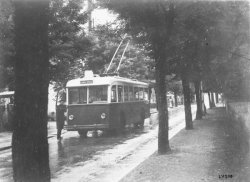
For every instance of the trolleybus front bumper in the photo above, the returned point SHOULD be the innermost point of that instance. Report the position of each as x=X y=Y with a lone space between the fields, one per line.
x=86 y=127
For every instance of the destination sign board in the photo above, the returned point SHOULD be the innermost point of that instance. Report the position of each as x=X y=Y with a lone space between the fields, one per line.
x=86 y=81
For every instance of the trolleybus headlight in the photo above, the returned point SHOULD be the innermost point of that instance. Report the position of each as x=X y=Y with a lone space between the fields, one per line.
x=65 y=122
x=103 y=115
x=71 y=117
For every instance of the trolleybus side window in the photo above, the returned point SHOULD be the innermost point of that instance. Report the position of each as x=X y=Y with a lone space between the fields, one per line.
x=146 y=94
x=73 y=96
x=126 y=93
x=141 y=93
x=113 y=93
x=120 y=93
x=97 y=94
x=130 y=94
x=136 y=93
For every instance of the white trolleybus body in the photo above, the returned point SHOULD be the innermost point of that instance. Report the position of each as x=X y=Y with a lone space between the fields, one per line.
x=105 y=103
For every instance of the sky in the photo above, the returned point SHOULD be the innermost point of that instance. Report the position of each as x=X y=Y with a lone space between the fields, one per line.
x=102 y=16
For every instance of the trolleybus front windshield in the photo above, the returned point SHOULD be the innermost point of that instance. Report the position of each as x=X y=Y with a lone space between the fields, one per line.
x=97 y=94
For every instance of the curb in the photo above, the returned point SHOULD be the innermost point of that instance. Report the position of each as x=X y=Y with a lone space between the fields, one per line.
x=9 y=147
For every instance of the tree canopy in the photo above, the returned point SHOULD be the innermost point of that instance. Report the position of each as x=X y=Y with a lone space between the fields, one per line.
x=106 y=38
x=6 y=44
x=68 y=42
x=207 y=35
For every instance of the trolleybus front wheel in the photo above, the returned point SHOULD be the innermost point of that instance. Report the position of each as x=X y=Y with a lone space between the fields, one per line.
x=83 y=133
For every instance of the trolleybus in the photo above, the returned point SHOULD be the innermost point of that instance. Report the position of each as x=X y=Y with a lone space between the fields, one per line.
x=105 y=103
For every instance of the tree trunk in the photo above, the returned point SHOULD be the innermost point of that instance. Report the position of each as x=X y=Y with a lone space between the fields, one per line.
x=197 y=85
x=175 y=100
x=160 y=44
x=217 y=98
x=163 y=142
x=212 y=99
x=204 y=111
x=209 y=98
x=29 y=141
x=187 y=103
x=156 y=97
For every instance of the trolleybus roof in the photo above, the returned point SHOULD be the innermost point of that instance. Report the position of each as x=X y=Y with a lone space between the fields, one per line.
x=106 y=80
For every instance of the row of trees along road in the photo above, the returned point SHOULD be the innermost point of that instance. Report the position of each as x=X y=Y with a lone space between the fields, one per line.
x=194 y=41
x=64 y=43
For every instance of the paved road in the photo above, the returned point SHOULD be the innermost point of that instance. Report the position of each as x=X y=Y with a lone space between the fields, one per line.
x=115 y=163
x=73 y=152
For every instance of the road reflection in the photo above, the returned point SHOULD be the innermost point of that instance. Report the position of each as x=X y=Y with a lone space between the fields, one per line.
x=73 y=149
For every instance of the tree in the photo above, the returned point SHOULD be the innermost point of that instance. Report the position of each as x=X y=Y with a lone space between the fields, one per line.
x=6 y=45
x=29 y=141
x=203 y=28
x=231 y=72
x=195 y=21
x=222 y=72
x=106 y=38
x=198 y=94
x=68 y=44
x=202 y=31
x=187 y=103
x=151 y=25
x=175 y=86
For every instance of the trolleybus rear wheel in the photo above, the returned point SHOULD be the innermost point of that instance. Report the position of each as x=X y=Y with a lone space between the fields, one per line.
x=83 y=133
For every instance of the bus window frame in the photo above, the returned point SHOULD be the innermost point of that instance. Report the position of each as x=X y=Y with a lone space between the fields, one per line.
x=134 y=93
x=68 y=99
x=131 y=97
x=120 y=100
x=127 y=93
x=146 y=90
x=105 y=102
x=141 y=93
x=67 y=94
x=79 y=90
x=115 y=93
x=131 y=88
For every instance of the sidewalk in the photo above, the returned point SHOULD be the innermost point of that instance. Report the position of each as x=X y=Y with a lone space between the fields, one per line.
x=6 y=136
x=216 y=150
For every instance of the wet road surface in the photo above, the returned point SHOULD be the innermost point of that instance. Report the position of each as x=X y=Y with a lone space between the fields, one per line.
x=73 y=151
